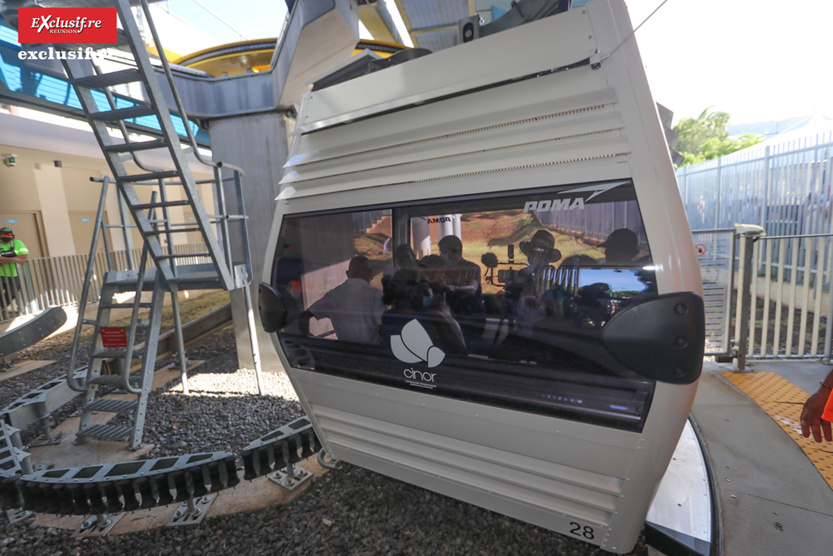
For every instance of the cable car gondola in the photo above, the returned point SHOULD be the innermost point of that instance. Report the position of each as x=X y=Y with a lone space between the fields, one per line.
x=482 y=280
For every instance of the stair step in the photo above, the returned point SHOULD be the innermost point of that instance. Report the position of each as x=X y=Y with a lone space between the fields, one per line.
x=183 y=255
x=121 y=305
x=112 y=406
x=173 y=230
x=108 y=79
x=107 y=432
x=123 y=113
x=150 y=176
x=161 y=204
x=135 y=146
x=110 y=380
x=116 y=354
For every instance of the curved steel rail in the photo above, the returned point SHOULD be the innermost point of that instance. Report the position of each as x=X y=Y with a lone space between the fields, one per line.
x=136 y=485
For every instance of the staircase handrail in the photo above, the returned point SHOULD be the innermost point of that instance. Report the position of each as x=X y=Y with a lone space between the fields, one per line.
x=82 y=303
x=180 y=108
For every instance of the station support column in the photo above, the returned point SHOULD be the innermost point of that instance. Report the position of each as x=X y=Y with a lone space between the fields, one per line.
x=248 y=129
x=257 y=143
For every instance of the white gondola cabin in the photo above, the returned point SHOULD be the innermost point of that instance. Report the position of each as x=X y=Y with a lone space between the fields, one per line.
x=482 y=280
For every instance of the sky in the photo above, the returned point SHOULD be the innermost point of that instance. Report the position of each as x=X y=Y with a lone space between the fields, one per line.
x=758 y=60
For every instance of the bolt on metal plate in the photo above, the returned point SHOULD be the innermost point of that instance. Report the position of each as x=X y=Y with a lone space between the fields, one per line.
x=46 y=440
x=98 y=526
x=291 y=480
x=16 y=516
x=191 y=512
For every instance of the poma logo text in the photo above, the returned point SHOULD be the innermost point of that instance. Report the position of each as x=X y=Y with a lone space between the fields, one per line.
x=67 y=25
x=554 y=204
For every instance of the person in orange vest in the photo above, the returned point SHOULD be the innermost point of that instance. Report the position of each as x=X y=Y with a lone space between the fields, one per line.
x=818 y=412
x=12 y=253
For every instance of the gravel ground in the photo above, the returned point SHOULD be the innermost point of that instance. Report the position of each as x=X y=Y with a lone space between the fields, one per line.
x=348 y=511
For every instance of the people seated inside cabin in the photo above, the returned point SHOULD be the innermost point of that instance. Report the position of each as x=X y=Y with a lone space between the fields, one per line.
x=525 y=291
x=460 y=275
x=578 y=261
x=403 y=258
x=436 y=313
x=355 y=307
x=464 y=295
x=420 y=295
x=400 y=295
x=621 y=247
x=593 y=307
x=288 y=266
x=540 y=252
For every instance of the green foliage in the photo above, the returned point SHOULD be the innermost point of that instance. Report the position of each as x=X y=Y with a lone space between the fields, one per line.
x=707 y=137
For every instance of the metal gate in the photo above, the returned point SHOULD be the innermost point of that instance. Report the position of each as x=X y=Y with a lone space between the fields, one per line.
x=769 y=298
x=716 y=255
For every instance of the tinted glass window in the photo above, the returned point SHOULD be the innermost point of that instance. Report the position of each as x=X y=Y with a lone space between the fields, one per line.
x=500 y=300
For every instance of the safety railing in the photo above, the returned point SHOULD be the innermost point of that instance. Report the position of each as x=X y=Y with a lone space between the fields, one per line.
x=789 y=288
x=776 y=290
x=57 y=281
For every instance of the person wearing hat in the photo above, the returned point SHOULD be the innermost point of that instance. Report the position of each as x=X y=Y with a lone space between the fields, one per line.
x=540 y=251
x=12 y=253
x=621 y=247
x=527 y=288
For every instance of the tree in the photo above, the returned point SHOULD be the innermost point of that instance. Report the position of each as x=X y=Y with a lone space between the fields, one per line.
x=707 y=137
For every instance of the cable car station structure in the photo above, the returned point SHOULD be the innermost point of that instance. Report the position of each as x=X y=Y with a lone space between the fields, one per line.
x=572 y=419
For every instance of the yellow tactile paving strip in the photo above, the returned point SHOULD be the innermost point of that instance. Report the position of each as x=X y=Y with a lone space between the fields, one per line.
x=783 y=401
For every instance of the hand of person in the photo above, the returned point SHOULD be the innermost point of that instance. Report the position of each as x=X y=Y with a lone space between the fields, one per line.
x=811 y=421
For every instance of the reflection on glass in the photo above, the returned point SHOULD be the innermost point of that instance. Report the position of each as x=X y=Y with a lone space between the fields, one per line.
x=506 y=298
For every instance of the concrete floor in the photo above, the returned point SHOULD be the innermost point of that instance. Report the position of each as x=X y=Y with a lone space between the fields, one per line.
x=772 y=499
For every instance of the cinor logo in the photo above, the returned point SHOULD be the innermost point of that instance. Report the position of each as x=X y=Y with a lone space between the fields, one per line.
x=414 y=345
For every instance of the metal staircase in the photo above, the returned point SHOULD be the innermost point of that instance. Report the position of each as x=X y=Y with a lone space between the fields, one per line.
x=178 y=191
x=163 y=203
x=123 y=353
x=116 y=348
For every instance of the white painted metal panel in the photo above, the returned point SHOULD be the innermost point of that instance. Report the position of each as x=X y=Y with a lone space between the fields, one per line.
x=429 y=78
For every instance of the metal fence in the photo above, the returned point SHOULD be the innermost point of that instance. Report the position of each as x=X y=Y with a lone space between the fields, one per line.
x=784 y=187
x=790 y=289
x=58 y=281
x=786 y=285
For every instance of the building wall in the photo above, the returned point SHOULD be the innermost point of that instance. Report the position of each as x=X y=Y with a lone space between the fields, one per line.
x=50 y=186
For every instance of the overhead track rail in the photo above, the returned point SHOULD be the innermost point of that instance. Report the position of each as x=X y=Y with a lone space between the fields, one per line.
x=46 y=88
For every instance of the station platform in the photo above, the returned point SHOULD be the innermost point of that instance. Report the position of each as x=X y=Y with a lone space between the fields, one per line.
x=774 y=487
